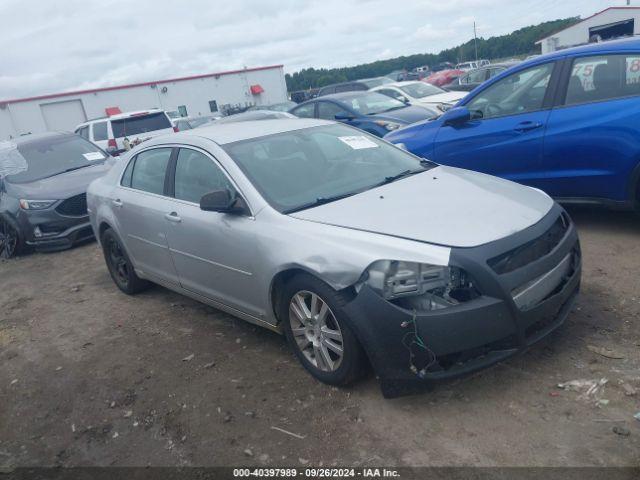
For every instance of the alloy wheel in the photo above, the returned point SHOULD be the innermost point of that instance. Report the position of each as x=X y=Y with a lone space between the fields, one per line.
x=118 y=262
x=316 y=331
x=8 y=239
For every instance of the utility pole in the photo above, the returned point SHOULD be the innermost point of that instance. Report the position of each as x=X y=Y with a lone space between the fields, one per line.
x=475 y=38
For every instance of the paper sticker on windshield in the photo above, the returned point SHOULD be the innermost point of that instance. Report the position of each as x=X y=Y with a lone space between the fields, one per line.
x=358 y=142
x=93 y=156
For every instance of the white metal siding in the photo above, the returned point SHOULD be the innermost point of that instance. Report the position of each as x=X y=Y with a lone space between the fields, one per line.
x=63 y=115
x=579 y=34
x=39 y=115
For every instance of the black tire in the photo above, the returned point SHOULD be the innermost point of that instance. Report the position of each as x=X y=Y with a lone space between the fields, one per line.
x=119 y=265
x=12 y=242
x=353 y=362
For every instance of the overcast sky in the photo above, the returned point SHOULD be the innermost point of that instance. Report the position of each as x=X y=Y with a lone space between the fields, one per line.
x=51 y=46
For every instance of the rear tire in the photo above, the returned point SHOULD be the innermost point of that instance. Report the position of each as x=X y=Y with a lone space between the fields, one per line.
x=11 y=241
x=318 y=331
x=120 y=267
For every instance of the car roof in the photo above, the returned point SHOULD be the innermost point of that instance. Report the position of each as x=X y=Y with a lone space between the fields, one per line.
x=235 y=132
x=398 y=84
x=122 y=115
x=37 y=137
x=342 y=95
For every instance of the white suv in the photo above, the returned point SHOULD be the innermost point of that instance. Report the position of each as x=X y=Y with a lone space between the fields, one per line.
x=121 y=131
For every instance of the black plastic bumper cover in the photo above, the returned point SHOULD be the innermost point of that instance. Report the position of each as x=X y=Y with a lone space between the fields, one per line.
x=467 y=337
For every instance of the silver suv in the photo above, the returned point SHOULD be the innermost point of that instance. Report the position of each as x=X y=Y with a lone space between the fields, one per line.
x=359 y=252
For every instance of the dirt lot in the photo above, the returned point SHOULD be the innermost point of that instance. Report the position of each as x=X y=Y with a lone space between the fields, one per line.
x=90 y=376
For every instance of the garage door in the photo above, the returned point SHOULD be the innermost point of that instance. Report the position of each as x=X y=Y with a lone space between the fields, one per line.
x=63 y=116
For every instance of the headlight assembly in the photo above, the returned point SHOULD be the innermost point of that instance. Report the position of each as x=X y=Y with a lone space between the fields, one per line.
x=419 y=286
x=36 y=204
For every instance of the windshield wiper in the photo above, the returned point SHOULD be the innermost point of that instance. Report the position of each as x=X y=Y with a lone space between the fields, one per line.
x=320 y=201
x=68 y=170
x=398 y=176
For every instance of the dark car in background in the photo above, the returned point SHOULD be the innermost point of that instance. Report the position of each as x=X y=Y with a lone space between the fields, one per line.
x=43 y=184
x=369 y=111
x=342 y=87
x=470 y=80
x=274 y=107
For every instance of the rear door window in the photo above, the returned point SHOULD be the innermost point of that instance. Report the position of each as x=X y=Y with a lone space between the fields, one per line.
x=139 y=124
x=603 y=77
x=100 y=131
x=150 y=169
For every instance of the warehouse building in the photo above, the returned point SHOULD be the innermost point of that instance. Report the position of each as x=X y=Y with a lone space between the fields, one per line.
x=194 y=96
x=610 y=23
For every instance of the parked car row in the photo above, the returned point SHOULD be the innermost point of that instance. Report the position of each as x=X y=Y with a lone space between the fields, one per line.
x=567 y=123
x=360 y=250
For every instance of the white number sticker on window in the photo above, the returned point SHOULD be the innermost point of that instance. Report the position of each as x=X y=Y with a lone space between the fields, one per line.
x=358 y=142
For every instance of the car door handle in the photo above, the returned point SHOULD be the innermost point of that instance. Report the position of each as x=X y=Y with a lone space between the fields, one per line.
x=526 y=126
x=117 y=203
x=173 y=217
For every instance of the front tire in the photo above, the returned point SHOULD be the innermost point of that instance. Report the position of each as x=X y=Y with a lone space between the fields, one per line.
x=11 y=241
x=120 y=267
x=318 y=331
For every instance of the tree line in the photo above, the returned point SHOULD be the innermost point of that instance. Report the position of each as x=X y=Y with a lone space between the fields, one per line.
x=518 y=43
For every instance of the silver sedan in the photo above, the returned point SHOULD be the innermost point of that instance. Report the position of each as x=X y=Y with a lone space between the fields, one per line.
x=359 y=252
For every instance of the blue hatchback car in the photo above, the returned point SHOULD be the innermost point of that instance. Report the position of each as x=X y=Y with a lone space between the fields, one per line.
x=567 y=123
x=369 y=111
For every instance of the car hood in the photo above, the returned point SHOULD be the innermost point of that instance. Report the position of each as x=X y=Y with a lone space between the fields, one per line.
x=408 y=114
x=61 y=186
x=445 y=206
x=446 y=97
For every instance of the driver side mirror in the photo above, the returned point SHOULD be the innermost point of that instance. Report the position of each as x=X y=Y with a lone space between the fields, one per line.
x=223 y=201
x=456 y=116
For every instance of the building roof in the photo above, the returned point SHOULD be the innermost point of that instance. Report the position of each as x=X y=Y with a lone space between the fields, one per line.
x=143 y=84
x=585 y=19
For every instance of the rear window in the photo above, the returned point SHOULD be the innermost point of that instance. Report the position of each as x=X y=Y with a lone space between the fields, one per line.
x=140 y=124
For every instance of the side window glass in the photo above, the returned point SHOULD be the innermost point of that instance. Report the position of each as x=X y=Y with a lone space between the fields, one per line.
x=197 y=175
x=84 y=132
x=150 y=169
x=100 y=131
x=328 y=111
x=603 y=77
x=391 y=93
x=477 y=76
x=305 y=111
x=520 y=92
x=126 y=177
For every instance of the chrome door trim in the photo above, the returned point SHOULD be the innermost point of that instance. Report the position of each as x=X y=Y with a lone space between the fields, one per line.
x=195 y=257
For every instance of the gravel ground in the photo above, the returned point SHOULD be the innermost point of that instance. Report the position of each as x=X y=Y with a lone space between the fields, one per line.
x=91 y=376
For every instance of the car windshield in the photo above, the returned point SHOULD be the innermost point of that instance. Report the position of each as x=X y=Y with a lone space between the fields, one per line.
x=138 y=124
x=51 y=156
x=371 y=103
x=304 y=168
x=421 y=90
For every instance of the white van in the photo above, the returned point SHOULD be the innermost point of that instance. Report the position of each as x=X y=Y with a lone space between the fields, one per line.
x=109 y=133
